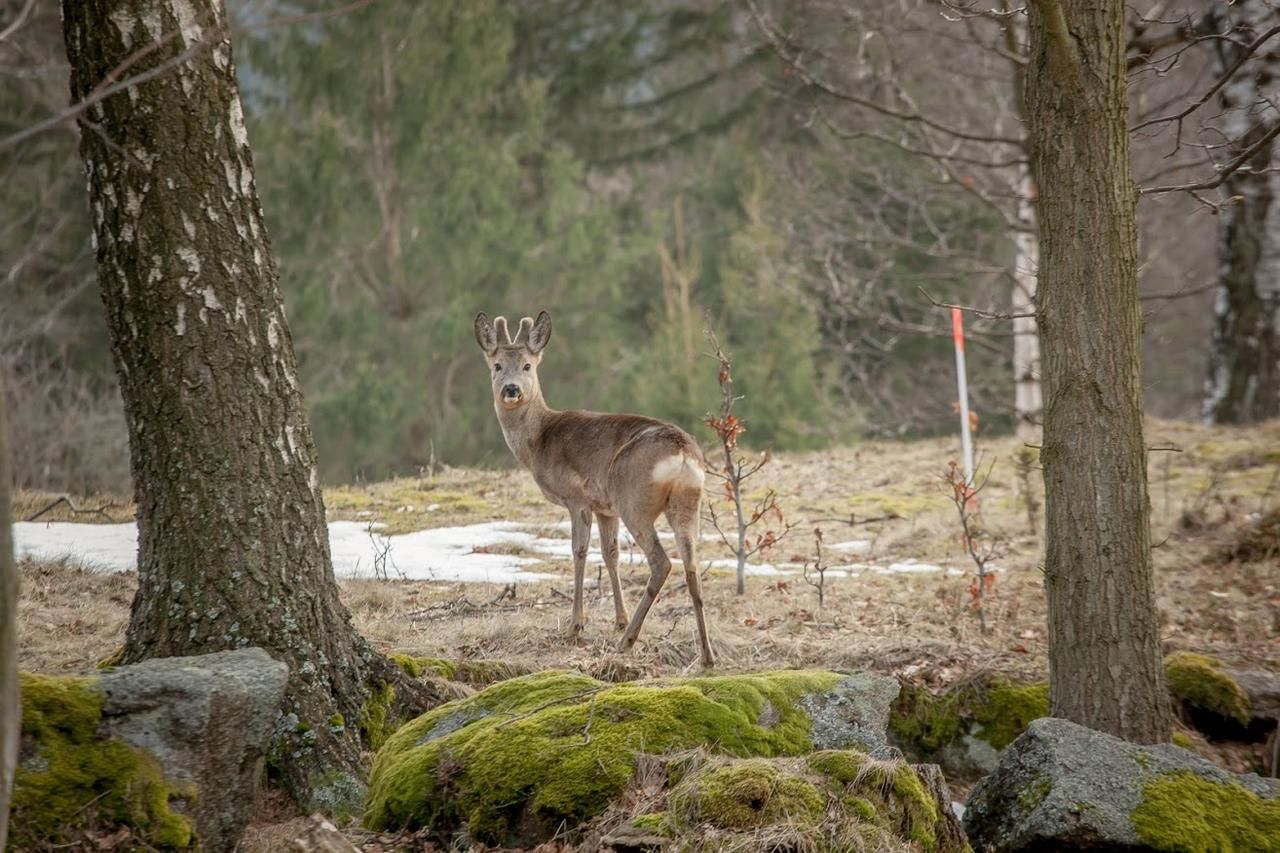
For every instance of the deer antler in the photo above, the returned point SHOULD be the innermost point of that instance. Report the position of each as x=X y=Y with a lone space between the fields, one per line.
x=500 y=327
x=526 y=326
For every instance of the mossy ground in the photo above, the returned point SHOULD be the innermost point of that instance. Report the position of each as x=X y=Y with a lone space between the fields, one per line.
x=477 y=673
x=69 y=776
x=530 y=753
x=1184 y=813
x=1198 y=681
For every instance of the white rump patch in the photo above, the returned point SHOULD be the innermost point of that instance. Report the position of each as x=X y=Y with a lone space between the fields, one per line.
x=677 y=468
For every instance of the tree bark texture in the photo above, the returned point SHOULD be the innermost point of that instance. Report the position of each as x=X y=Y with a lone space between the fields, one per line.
x=232 y=544
x=1243 y=382
x=1104 y=646
x=10 y=704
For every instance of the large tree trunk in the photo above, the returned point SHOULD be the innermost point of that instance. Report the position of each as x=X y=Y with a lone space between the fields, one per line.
x=10 y=707
x=232 y=544
x=1243 y=382
x=1104 y=646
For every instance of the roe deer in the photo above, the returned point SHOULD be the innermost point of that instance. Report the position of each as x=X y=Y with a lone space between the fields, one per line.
x=624 y=467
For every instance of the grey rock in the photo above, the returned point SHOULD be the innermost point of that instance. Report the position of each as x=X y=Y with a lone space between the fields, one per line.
x=1061 y=786
x=968 y=756
x=855 y=713
x=207 y=720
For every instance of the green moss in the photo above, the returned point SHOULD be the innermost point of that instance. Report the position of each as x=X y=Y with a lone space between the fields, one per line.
x=71 y=776
x=657 y=823
x=927 y=722
x=1198 y=680
x=555 y=747
x=477 y=673
x=481 y=673
x=1034 y=793
x=1184 y=740
x=418 y=667
x=745 y=795
x=1141 y=759
x=924 y=720
x=1009 y=709
x=1184 y=813
x=887 y=793
x=376 y=723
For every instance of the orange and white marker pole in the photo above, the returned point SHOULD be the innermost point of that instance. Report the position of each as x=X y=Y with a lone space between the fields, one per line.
x=962 y=387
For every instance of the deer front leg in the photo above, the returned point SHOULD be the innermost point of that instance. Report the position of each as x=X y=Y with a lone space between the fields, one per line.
x=659 y=567
x=608 y=527
x=580 y=525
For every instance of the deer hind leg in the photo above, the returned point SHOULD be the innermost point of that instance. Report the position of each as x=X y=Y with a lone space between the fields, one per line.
x=608 y=526
x=683 y=516
x=580 y=526
x=659 y=567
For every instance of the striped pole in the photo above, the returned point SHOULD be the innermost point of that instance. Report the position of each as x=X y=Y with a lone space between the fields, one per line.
x=962 y=387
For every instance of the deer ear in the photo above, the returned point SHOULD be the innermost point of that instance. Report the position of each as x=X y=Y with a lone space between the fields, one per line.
x=540 y=334
x=486 y=337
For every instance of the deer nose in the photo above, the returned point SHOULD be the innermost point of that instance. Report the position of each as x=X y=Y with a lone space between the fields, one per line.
x=511 y=391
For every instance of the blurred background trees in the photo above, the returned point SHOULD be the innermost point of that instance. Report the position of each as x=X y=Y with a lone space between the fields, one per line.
x=637 y=170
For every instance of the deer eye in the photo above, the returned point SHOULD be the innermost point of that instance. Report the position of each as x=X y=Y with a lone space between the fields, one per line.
x=497 y=367
x=528 y=366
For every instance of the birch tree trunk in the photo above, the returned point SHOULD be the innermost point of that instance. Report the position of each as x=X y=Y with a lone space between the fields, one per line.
x=10 y=704
x=1243 y=382
x=233 y=549
x=1027 y=403
x=1104 y=645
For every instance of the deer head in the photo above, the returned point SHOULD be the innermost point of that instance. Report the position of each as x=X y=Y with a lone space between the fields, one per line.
x=513 y=362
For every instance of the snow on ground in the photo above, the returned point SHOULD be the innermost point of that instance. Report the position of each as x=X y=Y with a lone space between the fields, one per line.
x=492 y=552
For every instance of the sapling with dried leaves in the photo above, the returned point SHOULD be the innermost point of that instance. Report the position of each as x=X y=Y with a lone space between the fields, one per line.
x=737 y=470
x=964 y=496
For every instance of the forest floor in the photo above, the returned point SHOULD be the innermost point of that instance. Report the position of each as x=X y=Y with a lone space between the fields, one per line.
x=904 y=604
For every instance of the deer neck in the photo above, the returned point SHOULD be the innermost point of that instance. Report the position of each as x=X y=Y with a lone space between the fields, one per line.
x=521 y=427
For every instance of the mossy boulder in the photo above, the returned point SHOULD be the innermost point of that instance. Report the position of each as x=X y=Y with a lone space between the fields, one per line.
x=964 y=728
x=170 y=748
x=1203 y=687
x=747 y=794
x=831 y=800
x=1061 y=786
x=68 y=775
x=516 y=761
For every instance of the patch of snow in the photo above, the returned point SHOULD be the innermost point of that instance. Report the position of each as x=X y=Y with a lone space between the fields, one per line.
x=455 y=554
x=111 y=547
x=906 y=567
x=853 y=546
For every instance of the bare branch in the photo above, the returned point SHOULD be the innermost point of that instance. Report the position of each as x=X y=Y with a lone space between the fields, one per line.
x=1225 y=172
x=986 y=315
x=785 y=51
x=1222 y=81
x=17 y=22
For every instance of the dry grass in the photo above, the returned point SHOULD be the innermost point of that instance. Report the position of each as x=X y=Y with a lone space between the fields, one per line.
x=916 y=625
x=919 y=627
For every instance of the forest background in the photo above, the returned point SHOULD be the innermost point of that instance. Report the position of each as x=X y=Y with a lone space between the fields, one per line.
x=639 y=170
